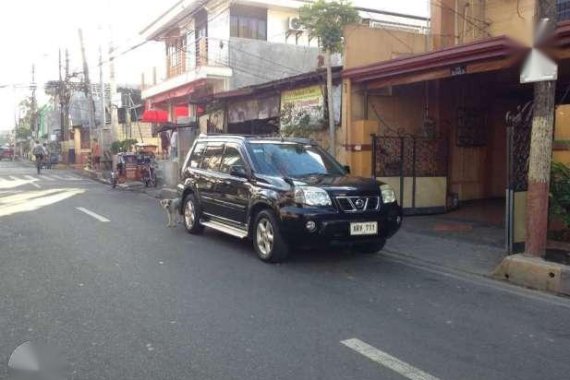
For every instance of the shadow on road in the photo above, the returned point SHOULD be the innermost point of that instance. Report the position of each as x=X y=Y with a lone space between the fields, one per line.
x=297 y=256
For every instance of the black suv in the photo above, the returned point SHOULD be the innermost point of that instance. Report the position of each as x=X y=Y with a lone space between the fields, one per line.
x=283 y=193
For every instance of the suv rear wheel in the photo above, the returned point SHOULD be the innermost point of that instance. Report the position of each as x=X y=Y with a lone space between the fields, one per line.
x=370 y=247
x=267 y=240
x=191 y=215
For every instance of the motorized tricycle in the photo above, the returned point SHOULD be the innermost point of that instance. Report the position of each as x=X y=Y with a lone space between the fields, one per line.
x=125 y=168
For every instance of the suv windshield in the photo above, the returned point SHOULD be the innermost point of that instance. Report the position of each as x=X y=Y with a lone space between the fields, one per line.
x=292 y=159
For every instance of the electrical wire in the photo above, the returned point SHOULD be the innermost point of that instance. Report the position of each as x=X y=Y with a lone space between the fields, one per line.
x=467 y=19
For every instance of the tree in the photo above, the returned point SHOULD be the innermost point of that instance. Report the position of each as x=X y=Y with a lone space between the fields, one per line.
x=326 y=21
x=25 y=128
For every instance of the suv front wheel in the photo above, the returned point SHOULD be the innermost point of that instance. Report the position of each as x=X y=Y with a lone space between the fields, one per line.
x=191 y=215
x=267 y=240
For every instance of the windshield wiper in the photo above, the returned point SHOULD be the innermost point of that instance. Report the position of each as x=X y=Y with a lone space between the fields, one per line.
x=315 y=174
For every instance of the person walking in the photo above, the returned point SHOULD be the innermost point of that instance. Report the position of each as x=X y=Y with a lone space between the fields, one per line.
x=38 y=151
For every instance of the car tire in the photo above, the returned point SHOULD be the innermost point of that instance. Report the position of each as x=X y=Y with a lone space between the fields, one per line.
x=267 y=239
x=370 y=247
x=191 y=215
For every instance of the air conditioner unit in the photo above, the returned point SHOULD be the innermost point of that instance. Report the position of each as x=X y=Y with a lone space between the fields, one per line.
x=295 y=25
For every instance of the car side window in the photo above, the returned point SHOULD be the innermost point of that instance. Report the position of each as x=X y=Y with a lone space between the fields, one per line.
x=197 y=155
x=212 y=157
x=232 y=157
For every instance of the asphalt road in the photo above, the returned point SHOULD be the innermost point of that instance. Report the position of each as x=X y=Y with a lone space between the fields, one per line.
x=125 y=297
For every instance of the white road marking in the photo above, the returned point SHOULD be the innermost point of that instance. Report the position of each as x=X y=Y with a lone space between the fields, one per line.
x=69 y=178
x=47 y=178
x=35 y=185
x=57 y=177
x=31 y=178
x=387 y=360
x=94 y=215
x=15 y=178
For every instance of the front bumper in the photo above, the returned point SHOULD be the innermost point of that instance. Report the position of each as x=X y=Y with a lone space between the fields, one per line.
x=333 y=226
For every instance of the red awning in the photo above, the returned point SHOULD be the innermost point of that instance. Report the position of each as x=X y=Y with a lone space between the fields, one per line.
x=180 y=112
x=155 y=116
x=495 y=48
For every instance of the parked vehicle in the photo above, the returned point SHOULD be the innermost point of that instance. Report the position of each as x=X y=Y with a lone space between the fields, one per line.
x=125 y=169
x=50 y=161
x=135 y=166
x=147 y=168
x=283 y=193
x=6 y=153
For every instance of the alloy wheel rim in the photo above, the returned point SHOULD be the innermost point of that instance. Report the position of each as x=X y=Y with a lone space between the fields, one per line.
x=189 y=216
x=265 y=237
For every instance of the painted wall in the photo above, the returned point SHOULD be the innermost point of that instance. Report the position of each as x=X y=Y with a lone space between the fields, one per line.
x=461 y=21
x=255 y=61
x=562 y=135
x=365 y=45
x=431 y=192
x=218 y=36
x=513 y=18
x=278 y=27
x=400 y=110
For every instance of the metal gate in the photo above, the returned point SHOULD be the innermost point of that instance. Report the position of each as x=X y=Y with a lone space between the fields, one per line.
x=409 y=157
x=519 y=126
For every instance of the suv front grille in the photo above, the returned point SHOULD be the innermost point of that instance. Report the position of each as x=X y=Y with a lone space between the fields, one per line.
x=358 y=203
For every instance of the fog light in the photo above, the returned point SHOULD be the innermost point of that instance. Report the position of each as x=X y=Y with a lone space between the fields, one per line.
x=311 y=226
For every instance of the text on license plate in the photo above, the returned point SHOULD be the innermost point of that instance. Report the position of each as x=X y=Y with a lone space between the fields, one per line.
x=366 y=228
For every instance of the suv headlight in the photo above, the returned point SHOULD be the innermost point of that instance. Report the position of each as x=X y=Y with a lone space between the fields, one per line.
x=312 y=196
x=388 y=195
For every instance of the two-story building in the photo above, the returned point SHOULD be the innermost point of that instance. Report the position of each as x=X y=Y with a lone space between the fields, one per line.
x=439 y=111
x=220 y=45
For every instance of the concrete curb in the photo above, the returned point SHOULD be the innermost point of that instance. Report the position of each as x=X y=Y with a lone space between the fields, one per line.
x=535 y=273
x=162 y=193
x=91 y=175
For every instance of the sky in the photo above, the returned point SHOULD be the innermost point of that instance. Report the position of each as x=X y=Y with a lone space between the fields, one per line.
x=32 y=31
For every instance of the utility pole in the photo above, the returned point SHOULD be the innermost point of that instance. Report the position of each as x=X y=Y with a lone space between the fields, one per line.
x=61 y=92
x=87 y=86
x=541 y=149
x=66 y=98
x=102 y=100
x=34 y=124
x=332 y=128
x=113 y=89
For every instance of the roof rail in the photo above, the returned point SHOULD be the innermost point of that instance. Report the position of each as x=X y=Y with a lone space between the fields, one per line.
x=300 y=140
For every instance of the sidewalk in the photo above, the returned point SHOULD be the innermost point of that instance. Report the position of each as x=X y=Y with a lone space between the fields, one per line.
x=448 y=253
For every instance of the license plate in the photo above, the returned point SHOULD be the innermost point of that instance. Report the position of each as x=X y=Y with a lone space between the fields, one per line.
x=366 y=228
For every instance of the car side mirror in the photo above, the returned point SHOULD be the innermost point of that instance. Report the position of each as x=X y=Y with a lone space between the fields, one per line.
x=238 y=171
x=347 y=168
